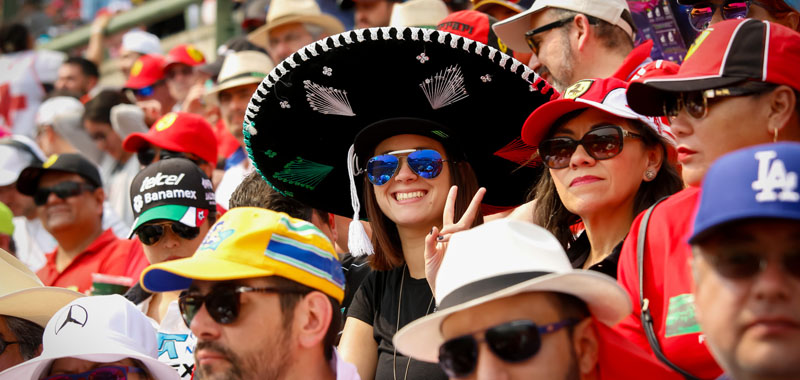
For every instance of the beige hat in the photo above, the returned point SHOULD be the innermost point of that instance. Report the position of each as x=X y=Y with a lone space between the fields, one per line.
x=288 y=11
x=241 y=68
x=418 y=13
x=512 y=30
x=23 y=295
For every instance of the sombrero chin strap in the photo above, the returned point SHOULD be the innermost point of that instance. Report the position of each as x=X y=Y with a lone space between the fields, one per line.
x=358 y=242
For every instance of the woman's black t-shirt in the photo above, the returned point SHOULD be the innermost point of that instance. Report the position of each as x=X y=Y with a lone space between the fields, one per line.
x=376 y=304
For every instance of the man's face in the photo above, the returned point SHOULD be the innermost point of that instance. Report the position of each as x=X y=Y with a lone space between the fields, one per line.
x=106 y=139
x=257 y=345
x=180 y=77
x=373 y=13
x=233 y=104
x=79 y=211
x=171 y=246
x=286 y=39
x=12 y=355
x=20 y=204
x=554 y=60
x=556 y=358
x=71 y=78
x=751 y=323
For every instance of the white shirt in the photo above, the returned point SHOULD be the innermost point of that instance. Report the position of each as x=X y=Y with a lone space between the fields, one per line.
x=32 y=242
x=176 y=342
x=230 y=181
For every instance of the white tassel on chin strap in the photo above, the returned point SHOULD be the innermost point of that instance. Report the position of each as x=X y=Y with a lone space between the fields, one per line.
x=358 y=242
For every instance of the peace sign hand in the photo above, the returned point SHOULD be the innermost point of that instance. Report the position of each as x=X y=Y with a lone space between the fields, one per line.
x=436 y=241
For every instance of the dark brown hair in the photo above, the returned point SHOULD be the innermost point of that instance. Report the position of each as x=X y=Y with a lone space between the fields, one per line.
x=385 y=238
x=551 y=213
x=254 y=191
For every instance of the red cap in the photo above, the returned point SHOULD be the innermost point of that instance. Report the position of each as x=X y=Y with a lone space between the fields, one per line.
x=146 y=71
x=607 y=95
x=476 y=26
x=724 y=54
x=186 y=54
x=178 y=132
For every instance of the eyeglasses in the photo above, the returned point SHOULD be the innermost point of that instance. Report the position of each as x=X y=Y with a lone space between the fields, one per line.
x=62 y=190
x=100 y=373
x=602 y=143
x=512 y=342
x=427 y=163
x=534 y=45
x=222 y=302
x=696 y=102
x=147 y=155
x=4 y=345
x=700 y=14
x=743 y=265
x=150 y=234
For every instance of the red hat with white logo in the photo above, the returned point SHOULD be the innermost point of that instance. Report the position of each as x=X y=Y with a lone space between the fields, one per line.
x=725 y=54
x=178 y=132
x=607 y=95
x=186 y=54
x=476 y=26
x=146 y=71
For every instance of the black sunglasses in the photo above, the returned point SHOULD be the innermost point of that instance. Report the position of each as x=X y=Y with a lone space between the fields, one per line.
x=62 y=190
x=512 y=342
x=602 y=142
x=696 y=103
x=147 y=155
x=4 y=345
x=534 y=45
x=150 y=234
x=744 y=265
x=222 y=302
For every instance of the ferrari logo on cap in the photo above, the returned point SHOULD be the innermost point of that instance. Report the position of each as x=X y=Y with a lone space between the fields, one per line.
x=136 y=69
x=50 y=161
x=697 y=42
x=578 y=89
x=166 y=121
x=195 y=54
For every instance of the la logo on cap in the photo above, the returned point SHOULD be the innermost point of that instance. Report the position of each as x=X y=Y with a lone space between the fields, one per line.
x=166 y=121
x=772 y=176
x=578 y=89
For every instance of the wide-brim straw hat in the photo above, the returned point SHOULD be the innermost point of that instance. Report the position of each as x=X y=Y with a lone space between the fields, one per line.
x=242 y=68
x=282 y=12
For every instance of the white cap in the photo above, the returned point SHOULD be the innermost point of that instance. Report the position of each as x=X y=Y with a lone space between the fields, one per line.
x=55 y=107
x=17 y=153
x=418 y=13
x=99 y=329
x=512 y=30
x=141 y=42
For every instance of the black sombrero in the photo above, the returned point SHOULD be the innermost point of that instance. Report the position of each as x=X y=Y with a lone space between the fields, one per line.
x=306 y=113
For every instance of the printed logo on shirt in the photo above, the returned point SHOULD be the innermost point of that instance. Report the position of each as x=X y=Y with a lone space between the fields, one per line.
x=774 y=183
x=179 y=359
x=681 y=316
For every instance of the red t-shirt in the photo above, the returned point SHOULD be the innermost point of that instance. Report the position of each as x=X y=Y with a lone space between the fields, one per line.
x=620 y=359
x=667 y=284
x=637 y=57
x=107 y=254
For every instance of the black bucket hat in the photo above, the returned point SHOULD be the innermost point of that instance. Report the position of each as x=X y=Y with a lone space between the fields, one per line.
x=306 y=114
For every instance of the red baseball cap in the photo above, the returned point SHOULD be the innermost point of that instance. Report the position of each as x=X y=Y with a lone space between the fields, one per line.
x=178 y=132
x=186 y=54
x=724 y=54
x=607 y=95
x=476 y=26
x=146 y=71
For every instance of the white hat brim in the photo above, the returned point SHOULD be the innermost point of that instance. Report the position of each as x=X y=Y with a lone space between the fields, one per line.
x=330 y=24
x=512 y=30
x=35 y=368
x=607 y=302
x=38 y=304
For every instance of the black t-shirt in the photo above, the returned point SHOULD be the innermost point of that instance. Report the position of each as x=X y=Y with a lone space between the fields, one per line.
x=376 y=304
x=579 y=252
x=355 y=271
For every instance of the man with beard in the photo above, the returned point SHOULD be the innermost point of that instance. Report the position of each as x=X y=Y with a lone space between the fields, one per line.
x=263 y=298
x=576 y=39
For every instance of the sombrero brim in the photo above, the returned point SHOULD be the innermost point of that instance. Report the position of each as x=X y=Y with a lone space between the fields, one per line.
x=330 y=24
x=306 y=113
x=36 y=304
x=607 y=302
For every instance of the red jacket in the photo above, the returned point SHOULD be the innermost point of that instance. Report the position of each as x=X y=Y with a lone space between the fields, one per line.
x=668 y=285
x=619 y=359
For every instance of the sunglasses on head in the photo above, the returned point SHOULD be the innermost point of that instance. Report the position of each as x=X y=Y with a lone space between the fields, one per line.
x=700 y=13
x=4 y=345
x=602 y=142
x=512 y=342
x=62 y=190
x=745 y=265
x=148 y=155
x=100 y=373
x=426 y=163
x=222 y=302
x=150 y=234
x=696 y=103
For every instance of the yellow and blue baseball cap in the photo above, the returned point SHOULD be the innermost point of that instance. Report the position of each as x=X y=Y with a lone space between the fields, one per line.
x=249 y=242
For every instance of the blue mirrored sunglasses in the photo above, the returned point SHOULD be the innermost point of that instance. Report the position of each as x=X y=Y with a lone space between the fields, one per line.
x=144 y=92
x=427 y=163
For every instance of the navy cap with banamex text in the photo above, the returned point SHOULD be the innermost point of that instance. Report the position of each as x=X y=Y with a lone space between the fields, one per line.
x=173 y=189
x=759 y=182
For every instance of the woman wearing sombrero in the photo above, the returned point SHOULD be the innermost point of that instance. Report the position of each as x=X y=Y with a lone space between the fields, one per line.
x=391 y=119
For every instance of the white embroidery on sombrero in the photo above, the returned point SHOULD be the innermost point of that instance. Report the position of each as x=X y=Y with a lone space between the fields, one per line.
x=249 y=114
x=385 y=31
x=492 y=53
x=327 y=100
x=312 y=49
x=336 y=43
x=514 y=65
x=467 y=43
x=262 y=91
x=324 y=45
x=257 y=97
x=359 y=35
x=302 y=53
x=426 y=34
x=445 y=87
x=441 y=38
x=282 y=70
x=290 y=61
x=479 y=47
x=250 y=128
x=373 y=33
x=415 y=35
x=504 y=59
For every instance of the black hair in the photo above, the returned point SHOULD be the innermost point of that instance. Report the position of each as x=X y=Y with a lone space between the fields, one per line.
x=14 y=37
x=27 y=333
x=98 y=109
x=88 y=68
x=254 y=191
